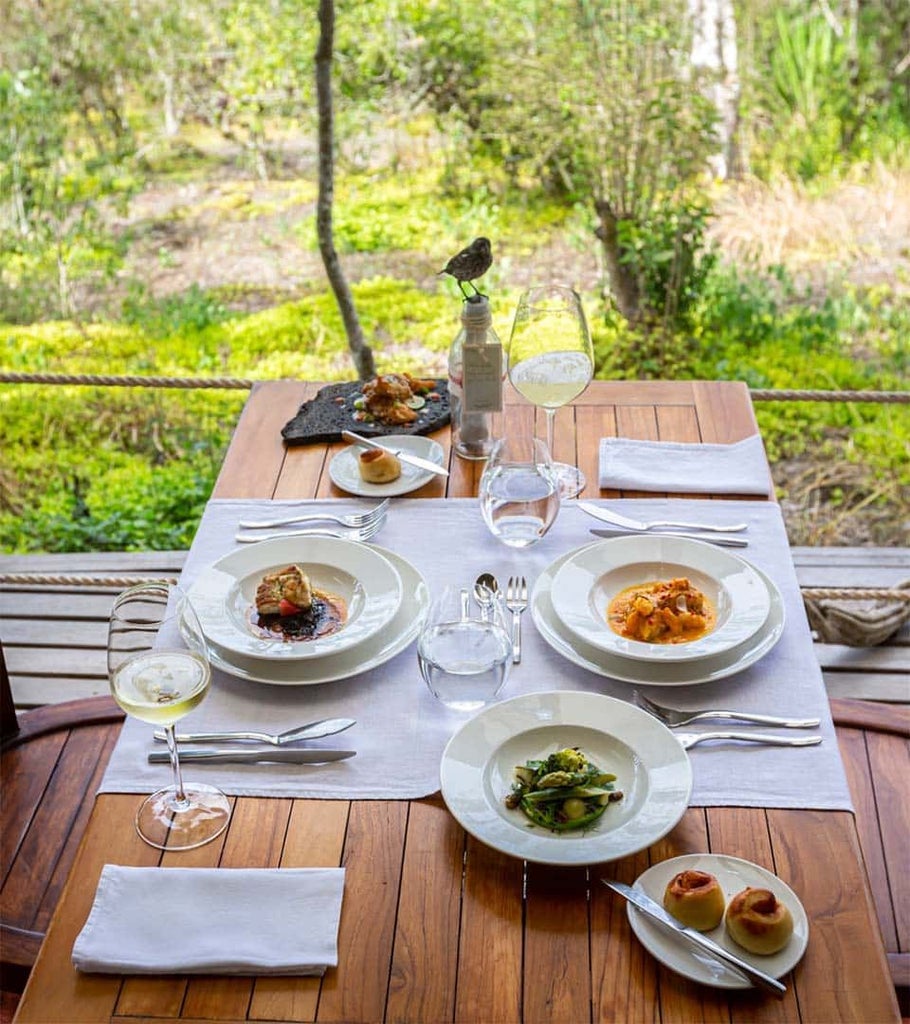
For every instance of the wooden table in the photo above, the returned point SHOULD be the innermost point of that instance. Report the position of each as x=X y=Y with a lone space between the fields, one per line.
x=436 y=926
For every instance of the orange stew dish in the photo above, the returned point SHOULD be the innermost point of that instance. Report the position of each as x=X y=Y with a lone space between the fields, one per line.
x=661 y=612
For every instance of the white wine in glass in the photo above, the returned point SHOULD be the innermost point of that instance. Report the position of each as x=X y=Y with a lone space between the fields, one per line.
x=159 y=670
x=551 y=360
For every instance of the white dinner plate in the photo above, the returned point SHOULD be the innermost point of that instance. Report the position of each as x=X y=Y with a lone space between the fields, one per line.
x=593 y=575
x=734 y=875
x=343 y=468
x=224 y=594
x=377 y=650
x=628 y=670
x=651 y=768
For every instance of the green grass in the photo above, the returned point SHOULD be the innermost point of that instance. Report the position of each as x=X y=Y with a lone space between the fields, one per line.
x=113 y=468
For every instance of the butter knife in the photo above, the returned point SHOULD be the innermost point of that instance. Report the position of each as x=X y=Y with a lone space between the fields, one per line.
x=652 y=909
x=710 y=538
x=277 y=754
x=411 y=460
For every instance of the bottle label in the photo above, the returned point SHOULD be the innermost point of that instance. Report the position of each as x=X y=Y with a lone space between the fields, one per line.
x=482 y=378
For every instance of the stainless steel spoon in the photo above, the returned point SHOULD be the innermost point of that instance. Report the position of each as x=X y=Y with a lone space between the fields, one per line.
x=311 y=731
x=485 y=590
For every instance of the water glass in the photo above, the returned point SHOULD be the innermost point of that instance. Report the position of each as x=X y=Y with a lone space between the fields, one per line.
x=464 y=658
x=519 y=491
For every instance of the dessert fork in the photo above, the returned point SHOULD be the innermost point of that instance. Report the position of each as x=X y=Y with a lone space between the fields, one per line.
x=358 y=533
x=349 y=519
x=516 y=602
x=609 y=516
x=673 y=717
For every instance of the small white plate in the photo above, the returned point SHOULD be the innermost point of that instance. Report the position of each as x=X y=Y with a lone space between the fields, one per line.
x=375 y=651
x=224 y=594
x=344 y=471
x=614 y=666
x=651 y=768
x=734 y=875
x=593 y=575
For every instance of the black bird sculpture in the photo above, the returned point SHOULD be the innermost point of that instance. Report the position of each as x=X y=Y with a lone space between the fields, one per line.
x=471 y=263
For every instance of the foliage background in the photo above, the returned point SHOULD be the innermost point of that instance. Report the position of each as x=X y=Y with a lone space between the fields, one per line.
x=157 y=175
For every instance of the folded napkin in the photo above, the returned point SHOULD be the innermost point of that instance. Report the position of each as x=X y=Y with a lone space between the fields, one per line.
x=212 y=921
x=739 y=468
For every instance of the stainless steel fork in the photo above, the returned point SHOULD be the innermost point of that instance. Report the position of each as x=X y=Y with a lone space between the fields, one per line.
x=516 y=602
x=352 y=519
x=360 y=533
x=673 y=717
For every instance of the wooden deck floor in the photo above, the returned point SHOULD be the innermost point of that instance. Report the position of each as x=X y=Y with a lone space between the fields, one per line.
x=54 y=636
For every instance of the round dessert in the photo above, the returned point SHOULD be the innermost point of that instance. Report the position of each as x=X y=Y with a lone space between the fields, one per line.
x=758 y=921
x=696 y=899
x=379 y=467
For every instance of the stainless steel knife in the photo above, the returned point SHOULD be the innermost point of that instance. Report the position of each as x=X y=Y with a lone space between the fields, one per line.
x=710 y=538
x=411 y=460
x=282 y=754
x=643 y=902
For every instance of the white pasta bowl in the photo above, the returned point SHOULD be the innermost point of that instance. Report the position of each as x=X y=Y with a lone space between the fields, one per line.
x=593 y=576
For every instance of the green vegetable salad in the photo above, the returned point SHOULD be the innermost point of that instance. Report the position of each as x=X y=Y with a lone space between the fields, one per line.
x=564 y=791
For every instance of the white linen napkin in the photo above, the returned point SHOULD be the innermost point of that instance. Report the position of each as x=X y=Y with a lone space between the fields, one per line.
x=212 y=921
x=738 y=468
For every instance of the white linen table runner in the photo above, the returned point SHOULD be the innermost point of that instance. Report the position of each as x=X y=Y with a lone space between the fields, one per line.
x=402 y=730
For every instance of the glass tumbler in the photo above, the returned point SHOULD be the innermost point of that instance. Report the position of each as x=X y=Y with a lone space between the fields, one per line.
x=464 y=657
x=519 y=491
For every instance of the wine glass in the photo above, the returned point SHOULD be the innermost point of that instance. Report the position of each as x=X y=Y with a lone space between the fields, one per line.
x=551 y=360
x=159 y=670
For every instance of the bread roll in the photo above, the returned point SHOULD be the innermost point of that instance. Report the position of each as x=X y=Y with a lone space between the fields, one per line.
x=696 y=899
x=758 y=921
x=379 y=467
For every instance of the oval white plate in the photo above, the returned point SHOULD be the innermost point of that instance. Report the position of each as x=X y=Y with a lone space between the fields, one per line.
x=375 y=651
x=734 y=875
x=224 y=594
x=345 y=474
x=593 y=575
x=652 y=771
x=706 y=670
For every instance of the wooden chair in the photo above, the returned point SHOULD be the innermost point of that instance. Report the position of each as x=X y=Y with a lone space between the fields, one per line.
x=874 y=742
x=51 y=762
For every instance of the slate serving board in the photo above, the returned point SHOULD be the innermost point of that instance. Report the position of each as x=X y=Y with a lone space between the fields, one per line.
x=322 y=418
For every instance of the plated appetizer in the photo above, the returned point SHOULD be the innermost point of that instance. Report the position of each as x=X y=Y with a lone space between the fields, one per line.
x=288 y=608
x=393 y=399
x=562 y=792
x=662 y=612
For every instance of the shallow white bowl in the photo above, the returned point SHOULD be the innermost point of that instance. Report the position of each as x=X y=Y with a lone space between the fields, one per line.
x=591 y=577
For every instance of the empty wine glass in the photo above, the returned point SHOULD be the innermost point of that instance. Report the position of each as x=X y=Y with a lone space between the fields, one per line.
x=551 y=360
x=519 y=491
x=159 y=670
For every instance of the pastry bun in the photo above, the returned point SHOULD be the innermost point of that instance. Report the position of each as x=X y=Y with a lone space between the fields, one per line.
x=379 y=467
x=696 y=899
x=758 y=921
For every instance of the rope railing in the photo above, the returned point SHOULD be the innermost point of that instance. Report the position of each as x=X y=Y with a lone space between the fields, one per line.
x=41 y=579
x=27 y=579
x=109 y=380
x=244 y=384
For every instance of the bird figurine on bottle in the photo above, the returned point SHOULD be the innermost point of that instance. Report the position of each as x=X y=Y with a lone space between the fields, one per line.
x=469 y=264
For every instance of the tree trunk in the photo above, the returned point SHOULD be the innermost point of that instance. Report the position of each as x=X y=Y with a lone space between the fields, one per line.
x=360 y=351
x=714 y=49
x=623 y=282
